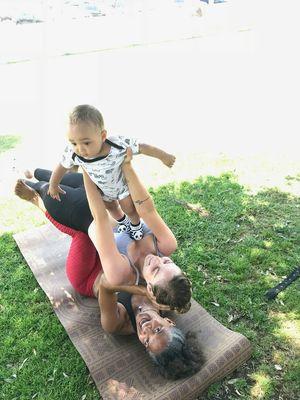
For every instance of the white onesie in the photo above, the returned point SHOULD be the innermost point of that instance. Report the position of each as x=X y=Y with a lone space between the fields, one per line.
x=105 y=172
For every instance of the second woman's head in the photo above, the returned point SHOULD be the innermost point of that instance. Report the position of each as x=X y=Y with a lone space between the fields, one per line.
x=175 y=354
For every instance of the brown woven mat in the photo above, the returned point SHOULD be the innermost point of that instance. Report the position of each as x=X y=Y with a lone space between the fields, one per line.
x=119 y=365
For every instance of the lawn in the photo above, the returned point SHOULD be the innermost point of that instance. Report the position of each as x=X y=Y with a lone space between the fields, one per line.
x=8 y=142
x=248 y=241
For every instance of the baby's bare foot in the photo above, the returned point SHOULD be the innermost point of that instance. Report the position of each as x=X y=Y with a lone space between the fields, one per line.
x=25 y=192
x=28 y=174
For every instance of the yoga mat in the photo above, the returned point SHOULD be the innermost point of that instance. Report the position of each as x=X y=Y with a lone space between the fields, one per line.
x=118 y=364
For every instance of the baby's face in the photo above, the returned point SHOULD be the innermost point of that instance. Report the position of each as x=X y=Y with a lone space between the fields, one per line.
x=86 y=139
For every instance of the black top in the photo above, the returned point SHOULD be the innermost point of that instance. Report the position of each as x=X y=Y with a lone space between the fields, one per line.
x=125 y=299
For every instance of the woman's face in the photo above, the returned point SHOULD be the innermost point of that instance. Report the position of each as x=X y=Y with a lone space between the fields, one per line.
x=159 y=270
x=153 y=330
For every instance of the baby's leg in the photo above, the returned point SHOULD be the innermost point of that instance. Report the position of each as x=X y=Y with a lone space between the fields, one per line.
x=135 y=226
x=129 y=209
x=114 y=209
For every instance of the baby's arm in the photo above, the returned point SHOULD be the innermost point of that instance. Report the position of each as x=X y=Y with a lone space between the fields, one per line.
x=166 y=158
x=56 y=176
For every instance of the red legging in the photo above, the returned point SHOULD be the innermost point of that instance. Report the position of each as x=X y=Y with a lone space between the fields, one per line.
x=83 y=263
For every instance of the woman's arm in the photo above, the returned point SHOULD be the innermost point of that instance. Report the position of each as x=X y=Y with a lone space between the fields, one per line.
x=116 y=267
x=113 y=314
x=145 y=207
x=132 y=289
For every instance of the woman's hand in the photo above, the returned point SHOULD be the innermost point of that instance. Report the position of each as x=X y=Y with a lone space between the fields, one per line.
x=152 y=298
x=128 y=156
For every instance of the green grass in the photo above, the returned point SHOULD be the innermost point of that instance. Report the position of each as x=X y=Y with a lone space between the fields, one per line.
x=8 y=142
x=246 y=244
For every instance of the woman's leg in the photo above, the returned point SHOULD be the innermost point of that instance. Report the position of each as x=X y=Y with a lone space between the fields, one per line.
x=83 y=265
x=42 y=174
x=72 y=179
x=73 y=209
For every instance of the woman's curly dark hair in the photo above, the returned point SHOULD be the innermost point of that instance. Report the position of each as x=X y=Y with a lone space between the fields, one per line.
x=176 y=294
x=182 y=357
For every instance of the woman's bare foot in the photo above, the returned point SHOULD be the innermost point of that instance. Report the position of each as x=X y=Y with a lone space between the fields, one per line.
x=28 y=174
x=25 y=192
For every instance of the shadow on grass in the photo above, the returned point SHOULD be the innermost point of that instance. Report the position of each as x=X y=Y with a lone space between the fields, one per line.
x=8 y=142
x=244 y=246
x=34 y=346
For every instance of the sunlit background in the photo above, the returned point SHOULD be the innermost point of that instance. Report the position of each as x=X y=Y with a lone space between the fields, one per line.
x=189 y=76
x=215 y=82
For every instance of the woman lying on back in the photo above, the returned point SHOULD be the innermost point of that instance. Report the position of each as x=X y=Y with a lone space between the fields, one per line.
x=169 y=285
x=176 y=355
x=120 y=255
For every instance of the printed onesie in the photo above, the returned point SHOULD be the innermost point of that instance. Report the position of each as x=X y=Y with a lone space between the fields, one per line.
x=105 y=172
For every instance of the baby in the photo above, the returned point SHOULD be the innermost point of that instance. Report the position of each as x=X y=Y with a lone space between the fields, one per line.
x=102 y=159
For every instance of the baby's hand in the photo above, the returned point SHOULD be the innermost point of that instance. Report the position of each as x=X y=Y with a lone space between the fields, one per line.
x=168 y=160
x=54 y=192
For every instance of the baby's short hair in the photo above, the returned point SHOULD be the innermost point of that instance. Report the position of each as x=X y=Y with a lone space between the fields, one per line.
x=87 y=114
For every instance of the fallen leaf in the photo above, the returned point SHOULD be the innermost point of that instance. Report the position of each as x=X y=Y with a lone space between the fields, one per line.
x=200 y=268
x=230 y=318
x=235 y=316
x=233 y=381
x=21 y=366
